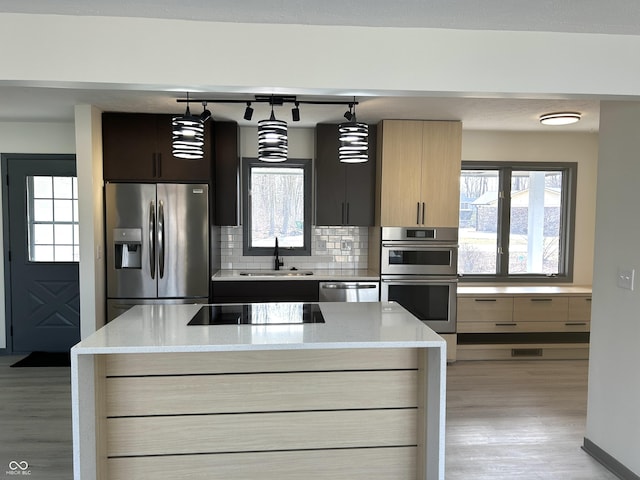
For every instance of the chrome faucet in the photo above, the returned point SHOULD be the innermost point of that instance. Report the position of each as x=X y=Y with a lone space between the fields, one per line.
x=278 y=263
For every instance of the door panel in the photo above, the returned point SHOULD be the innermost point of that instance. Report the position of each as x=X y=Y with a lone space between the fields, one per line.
x=183 y=256
x=44 y=299
x=131 y=216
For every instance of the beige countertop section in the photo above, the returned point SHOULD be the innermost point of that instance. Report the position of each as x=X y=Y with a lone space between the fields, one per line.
x=510 y=290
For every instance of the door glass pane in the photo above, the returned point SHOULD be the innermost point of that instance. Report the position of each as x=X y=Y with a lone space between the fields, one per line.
x=534 y=236
x=277 y=206
x=52 y=206
x=478 y=233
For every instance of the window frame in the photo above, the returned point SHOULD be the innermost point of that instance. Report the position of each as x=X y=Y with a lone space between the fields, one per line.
x=306 y=165
x=567 y=221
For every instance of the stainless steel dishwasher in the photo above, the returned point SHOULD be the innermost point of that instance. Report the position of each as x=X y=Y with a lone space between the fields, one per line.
x=349 y=291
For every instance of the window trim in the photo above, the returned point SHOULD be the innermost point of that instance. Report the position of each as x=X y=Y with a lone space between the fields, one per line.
x=306 y=165
x=567 y=222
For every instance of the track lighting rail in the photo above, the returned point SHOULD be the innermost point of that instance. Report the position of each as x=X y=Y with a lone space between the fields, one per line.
x=275 y=100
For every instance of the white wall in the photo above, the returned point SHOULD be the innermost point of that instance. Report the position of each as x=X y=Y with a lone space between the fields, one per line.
x=613 y=418
x=88 y=122
x=20 y=137
x=550 y=147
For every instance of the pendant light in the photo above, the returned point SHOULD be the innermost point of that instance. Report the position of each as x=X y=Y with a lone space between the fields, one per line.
x=272 y=139
x=188 y=135
x=354 y=139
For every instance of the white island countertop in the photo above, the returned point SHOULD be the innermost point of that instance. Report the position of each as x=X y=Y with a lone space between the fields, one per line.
x=163 y=328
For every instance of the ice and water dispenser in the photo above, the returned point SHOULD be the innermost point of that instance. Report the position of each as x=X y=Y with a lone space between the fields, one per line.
x=127 y=247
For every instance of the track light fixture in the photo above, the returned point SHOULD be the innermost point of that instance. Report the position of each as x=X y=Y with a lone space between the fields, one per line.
x=354 y=138
x=248 y=112
x=188 y=135
x=272 y=139
x=295 y=112
x=206 y=113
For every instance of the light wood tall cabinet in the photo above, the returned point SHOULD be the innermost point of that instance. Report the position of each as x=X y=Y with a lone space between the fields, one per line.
x=418 y=174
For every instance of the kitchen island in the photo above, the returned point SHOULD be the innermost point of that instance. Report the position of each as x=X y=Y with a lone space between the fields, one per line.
x=358 y=392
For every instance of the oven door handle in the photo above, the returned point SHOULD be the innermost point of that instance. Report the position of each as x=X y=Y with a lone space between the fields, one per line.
x=420 y=246
x=419 y=281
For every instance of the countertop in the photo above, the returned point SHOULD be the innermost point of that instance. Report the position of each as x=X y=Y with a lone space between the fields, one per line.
x=318 y=274
x=507 y=290
x=163 y=328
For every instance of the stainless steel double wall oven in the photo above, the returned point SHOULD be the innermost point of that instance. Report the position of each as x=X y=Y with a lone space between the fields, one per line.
x=419 y=270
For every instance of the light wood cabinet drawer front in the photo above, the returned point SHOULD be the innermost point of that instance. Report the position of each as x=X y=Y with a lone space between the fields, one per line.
x=352 y=464
x=485 y=309
x=199 y=394
x=580 y=309
x=262 y=361
x=522 y=327
x=540 y=309
x=193 y=434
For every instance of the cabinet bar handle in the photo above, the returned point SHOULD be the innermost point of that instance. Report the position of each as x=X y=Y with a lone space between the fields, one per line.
x=347 y=219
x=587 y=299
x=575 y=324
x=542 y=299
x=418 y=213
x=343 y=213
x=506 y=324
x=423 y=209
x=485 y=299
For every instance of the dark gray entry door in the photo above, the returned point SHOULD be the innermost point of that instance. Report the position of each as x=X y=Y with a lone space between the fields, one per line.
x=42 y=249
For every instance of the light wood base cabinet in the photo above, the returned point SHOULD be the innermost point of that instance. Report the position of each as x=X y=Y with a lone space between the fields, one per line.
x=494 y=327
x=319 y=414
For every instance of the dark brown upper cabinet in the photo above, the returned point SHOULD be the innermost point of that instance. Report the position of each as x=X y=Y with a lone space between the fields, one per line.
x=137 y=147
x=226 y=155
x=344 y=191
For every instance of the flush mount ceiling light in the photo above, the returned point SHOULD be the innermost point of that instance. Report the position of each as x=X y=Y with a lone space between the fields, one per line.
x=188 y=135
x=560 y=118
x=272 y=139
x=354 y=139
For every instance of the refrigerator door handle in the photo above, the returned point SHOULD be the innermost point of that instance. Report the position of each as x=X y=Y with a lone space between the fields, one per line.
x=152 y=240
x=161 y=238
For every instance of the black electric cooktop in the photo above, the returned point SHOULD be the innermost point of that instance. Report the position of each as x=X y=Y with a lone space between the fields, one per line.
x=258 y=314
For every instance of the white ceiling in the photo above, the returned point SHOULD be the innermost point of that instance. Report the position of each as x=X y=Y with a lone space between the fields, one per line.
x=579 y=16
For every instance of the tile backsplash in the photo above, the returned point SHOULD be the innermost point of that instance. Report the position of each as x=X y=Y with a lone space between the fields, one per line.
x=331 y=247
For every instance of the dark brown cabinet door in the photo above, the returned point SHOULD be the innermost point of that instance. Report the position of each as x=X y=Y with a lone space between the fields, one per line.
x=138 y=147
x=227 y=173
x=129 y=146
x=344 y=192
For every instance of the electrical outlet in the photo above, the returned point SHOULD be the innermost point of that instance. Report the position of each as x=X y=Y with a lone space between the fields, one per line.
x=625 y=278
x=346 y=245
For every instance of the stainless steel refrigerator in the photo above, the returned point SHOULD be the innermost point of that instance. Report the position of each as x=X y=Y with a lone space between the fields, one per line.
x=157 y=248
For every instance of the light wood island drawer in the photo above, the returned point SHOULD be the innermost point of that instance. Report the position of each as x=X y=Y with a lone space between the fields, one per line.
x=484 y=309
x=195 y=434
x=352 y=464
x=261 y=392
x=540 y=309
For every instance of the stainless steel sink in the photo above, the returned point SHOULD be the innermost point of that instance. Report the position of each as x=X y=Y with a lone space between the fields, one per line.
x=276 y=273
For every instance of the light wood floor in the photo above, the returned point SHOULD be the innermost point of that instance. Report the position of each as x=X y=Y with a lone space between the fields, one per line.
x=505 y=420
